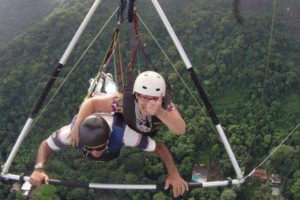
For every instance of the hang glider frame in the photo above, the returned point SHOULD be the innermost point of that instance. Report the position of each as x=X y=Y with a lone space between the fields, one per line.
x=6 y=176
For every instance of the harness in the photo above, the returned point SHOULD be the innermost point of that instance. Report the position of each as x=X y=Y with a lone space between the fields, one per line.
x=130 y=108
x=151 y=124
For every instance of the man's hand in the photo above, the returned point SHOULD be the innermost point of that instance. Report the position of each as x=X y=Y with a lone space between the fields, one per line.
x=38 y=177
x=154 y=106
x=74 y=136
x=179 y=185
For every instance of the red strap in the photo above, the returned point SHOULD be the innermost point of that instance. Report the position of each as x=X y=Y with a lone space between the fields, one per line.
x=134 y=42
x=118 y=51
x=135 y=24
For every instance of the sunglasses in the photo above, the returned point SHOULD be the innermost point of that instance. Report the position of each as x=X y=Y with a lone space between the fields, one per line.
x=99 y=148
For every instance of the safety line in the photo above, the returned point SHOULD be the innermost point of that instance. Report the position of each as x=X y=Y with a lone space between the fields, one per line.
x=184 y=83
x=105 y=61
x=76 y=64
x=265 y=78
x=283 y=141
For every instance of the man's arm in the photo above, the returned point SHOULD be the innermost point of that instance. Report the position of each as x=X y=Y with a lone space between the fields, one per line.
x=134 y=139
x=38 y=176
x=58 y=140
x=179 y=185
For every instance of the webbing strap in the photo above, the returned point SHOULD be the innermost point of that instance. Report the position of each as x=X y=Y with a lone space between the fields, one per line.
x=135 y=23
x=103 y=66
x=118 y=51
x=146 y=57
x=137 y=44
x=131 y=10
x=122 y=7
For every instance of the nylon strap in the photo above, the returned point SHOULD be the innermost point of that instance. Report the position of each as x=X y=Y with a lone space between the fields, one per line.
x=104 y=64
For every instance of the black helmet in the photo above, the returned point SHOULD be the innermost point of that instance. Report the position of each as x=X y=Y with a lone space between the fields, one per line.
x=94 y=132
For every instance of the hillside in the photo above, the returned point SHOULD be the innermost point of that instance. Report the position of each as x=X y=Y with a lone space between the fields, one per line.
x=16 y=16
x=251 y=80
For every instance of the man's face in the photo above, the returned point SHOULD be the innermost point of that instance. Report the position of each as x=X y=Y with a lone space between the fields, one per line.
x=101 y=147
x=142 y=101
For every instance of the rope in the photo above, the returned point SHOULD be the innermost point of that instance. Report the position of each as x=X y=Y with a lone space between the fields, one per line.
x=105 y=61
x=283 y=141
x=236 y=11
x=265 y=77
x=268 y=63
x=146 y=57
x=76 y=64
x=137 y=44
x=115 y=69
x=133 y=52
x=122 y=6
x=184 y=83
x=138 y=62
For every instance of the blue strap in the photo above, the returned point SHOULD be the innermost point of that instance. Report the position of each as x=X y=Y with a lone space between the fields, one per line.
x=116 y=137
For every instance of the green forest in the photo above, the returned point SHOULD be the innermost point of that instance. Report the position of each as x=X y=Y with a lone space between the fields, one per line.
x=249 y=70
x=19 y=15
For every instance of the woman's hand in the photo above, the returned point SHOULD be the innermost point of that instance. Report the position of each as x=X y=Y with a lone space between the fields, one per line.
x=74 y=136
x=154 y=107
x=178 y=184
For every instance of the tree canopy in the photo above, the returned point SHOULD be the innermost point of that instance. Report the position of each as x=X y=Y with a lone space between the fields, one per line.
x=252 y=82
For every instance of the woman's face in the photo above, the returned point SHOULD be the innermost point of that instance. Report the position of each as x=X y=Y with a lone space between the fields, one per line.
x=142 y=101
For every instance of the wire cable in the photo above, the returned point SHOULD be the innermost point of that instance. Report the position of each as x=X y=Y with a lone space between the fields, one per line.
x=76 y=64
x=182 y=80
x=281 y=143
x=265 y=78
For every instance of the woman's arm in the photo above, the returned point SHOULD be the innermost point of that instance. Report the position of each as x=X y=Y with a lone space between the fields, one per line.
x=179 y=185
x=172 y=119
x=88 y=107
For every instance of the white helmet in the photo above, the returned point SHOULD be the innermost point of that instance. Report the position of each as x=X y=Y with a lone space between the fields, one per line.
x=150 y=83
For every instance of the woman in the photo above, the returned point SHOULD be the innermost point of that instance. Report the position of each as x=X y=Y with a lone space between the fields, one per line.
x=145 y=107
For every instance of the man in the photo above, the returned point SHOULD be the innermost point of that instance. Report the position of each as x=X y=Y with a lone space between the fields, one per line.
x=146 y=105
x=101 y=138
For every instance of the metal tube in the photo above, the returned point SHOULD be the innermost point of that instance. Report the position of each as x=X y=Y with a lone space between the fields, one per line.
x=222 y=183
x=124 y=186
x=201 y=91
x=229 y=151
x=215 y=119
x=172 y=34
x=46 y=90
x=13 y=177
x=80 y=30
x=17 y=145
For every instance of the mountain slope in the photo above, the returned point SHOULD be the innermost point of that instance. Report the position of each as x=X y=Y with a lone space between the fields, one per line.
x=16 y=16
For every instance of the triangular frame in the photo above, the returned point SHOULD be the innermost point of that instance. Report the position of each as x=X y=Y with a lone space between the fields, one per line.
x=5 y=175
